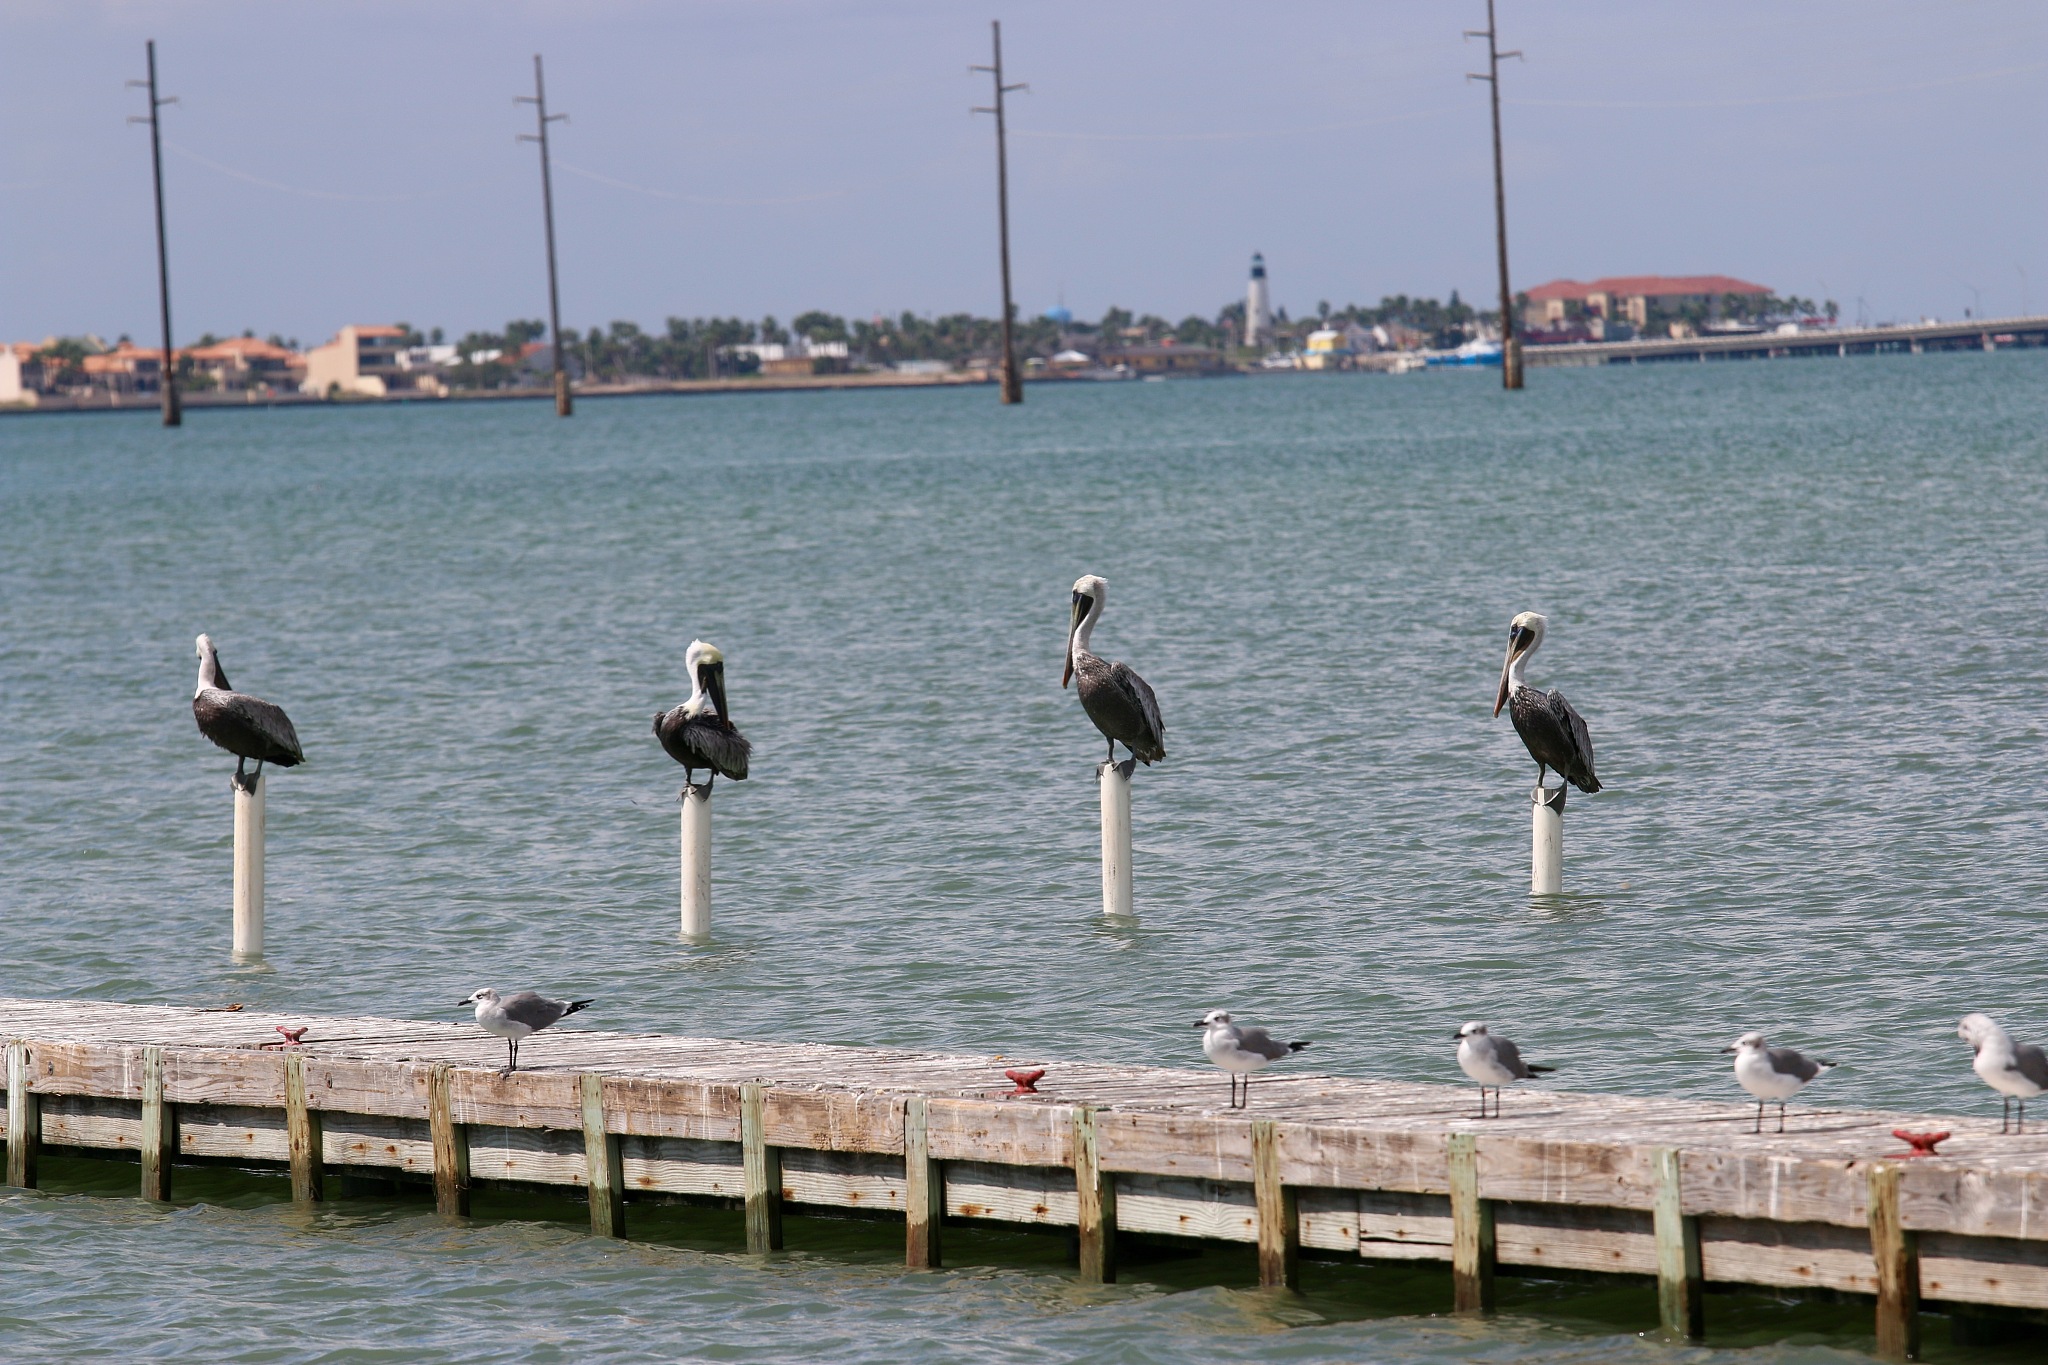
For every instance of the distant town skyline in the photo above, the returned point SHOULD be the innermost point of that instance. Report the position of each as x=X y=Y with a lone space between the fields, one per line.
x=356 y=162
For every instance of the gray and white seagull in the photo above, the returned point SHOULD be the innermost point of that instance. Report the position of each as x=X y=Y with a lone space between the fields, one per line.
x=2017 y=1071
x=1772 y=1074
x=1241 y=1049
x=1493 y=1061
x=513 y=1017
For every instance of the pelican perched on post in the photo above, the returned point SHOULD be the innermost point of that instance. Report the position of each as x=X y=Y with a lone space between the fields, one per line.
x=1553 y=731
x=247 y=727
x=1116 y=699
x=699 y=733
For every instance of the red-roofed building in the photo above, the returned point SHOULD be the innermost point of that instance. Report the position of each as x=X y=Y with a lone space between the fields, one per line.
x=246 y=363
x=1628 y=297
x=127 y=368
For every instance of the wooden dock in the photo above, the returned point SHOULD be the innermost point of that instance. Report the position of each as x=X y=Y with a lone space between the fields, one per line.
x=1682 y=1192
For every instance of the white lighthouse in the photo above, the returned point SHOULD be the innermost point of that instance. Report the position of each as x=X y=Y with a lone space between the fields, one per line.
x=1258 y=306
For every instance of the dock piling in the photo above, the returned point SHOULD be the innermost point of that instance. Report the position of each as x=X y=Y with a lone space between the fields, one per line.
x=1681 y=1285
x=697 y=861
x=1897 y=1252
x=924 y=1190
x=24 y=1119
x=1095 y=1203
x=1472 y=1239
x=1279 y=1215
x=1115 y=780
x=159 y=1128
x=304 y=1138
x=1546 y=851
x=602 y=1155
x=249 y=815
x=762 y=1175
x=451 y=1145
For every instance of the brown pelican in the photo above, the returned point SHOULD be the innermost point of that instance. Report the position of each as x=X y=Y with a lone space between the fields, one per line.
x=1115 y=698
x=1554 y=732
x=1493 y=1061
x=247 y=727
x=513 y=1017
x=699 y=734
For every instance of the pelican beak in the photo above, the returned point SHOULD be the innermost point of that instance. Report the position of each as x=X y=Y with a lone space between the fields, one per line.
x=1081 y=605
x=1500 y=698
x=714 y=683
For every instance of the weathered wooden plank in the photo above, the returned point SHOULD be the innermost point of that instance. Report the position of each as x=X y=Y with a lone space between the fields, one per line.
x=1472 y=1229
x=1404 y=1226
x=833 y=1121
x=530 y=1156
x=450 y=1144
x=90 y=1122
x=519 y=1099
x=159 y=1131
x=1046 y=1195
x=302 y=1134
x=350 y=1086
x=603 y=1169
x=645 y=1106
x=1193 y=1146
x=924 y=1191
x=1681 y=1284
x=1095 y=1202
x=683 y=1166
x=1213 y=1210
x=24 y=1124
x=1574 y=1237
x=377 y=1140
x=1896 y=1251
x=843 y=1180
x=1279 y=1221
x=1009 y=1133
x=1959 y=1270
x=229 y=1132
x=1329 y=1219
x=762 y=1169
x=1756 y=1251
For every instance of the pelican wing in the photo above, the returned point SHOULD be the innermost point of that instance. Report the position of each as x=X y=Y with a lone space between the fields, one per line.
x=704 y=742
x=248 y=727
x=1572 y=726
x=1140 y=693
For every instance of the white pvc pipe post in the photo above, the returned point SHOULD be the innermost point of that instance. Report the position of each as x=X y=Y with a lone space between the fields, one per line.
x=697 y=861
x=1546 y=852
x=1115 y=779
x=249 y=870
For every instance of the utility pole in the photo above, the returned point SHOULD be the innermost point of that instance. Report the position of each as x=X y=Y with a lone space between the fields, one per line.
x=539 y=101
x=1013 y=382
x=167 y=378
x=1510 y=344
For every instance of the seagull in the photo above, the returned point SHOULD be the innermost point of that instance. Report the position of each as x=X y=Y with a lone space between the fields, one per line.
x=1241 y=1051
x=1551 y=728
x=513 y=1017
x=1772 y=1073
x=698 y=733
x=1493 y=1061
x=247 y=727
x=2017 y=1071
x=1119 y=701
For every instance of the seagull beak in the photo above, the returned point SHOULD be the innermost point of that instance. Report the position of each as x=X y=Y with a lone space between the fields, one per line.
x=1730 y=1048
x=1201 y=1023
x=1080 y=611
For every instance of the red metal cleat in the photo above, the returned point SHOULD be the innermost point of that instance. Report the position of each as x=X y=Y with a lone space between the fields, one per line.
x=1027 y=1081
x=293 y=1037
x=1921 y=1143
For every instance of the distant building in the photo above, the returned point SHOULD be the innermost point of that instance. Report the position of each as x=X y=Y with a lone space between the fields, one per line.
x=1258 y=306
x=20 y=372
x=1326 y=349
x=1628 y=298
x=1166 y=359
x=360 y=361
x=799 y=357
x=246 y=363
x=126 y=369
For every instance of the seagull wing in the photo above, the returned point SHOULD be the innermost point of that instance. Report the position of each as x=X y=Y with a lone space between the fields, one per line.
x=1257 y=1040
x=2030 y=1061
x=533 y=1010
x=1510 y=1057
x=1789 y=1062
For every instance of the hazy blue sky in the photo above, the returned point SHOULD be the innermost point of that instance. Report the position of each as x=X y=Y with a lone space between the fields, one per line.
x=338 y=162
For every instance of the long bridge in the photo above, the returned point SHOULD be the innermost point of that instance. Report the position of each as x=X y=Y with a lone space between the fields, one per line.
x=1978 y=334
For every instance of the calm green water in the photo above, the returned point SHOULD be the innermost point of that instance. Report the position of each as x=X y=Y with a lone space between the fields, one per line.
x=1801 y=605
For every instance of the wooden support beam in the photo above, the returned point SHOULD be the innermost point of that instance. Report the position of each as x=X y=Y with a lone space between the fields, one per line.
x=601 y=1154
x=24 y=1120
x=761 y=1174
x=1279 y=1218
x=1472 y=1249
x=159 y=1128
x=1681 y=1287
x=924 y=1190
x=303 y=1136
x=451 y=1146
x=1095 y=1189
x=1897 y=1253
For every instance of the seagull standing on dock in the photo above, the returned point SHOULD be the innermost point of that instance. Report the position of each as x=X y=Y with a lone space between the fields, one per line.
x=1241 y=1050
x=1772 y=1074
x=1551 y=728
x=699 y=733
x=1493 y=1061
x=514 y=1017
x=247 y=727
x=2017 y=1071
x=1119 y=701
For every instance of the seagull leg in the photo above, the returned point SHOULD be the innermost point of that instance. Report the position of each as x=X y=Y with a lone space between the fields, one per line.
x=1781 y=1116
x=2022 y=1127
x=1759 y=1117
